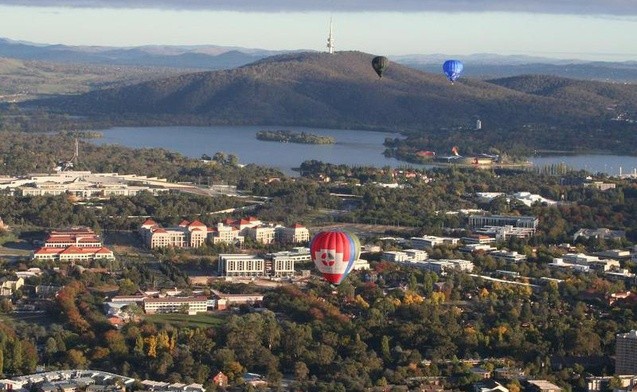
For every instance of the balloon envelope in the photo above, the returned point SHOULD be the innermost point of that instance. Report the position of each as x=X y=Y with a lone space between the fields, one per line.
x=380 y=64
x=453 y=69
x=334 y=254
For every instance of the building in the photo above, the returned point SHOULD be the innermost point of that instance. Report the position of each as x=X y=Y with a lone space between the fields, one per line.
x=262 y=234
x=73 y=244
x=478 y=239
x=282 y=266
x=185 y=235
x=241 y=265
x=82 y=237
x=489 y=385
x=189 y=305
x=225 y=301
x=583 y=262
x=84 y=184
x=294 y=235
x=477 y=248
x=460 y=264
x=429 y=241
x=542 y=386
x=509 y=373
x=528 y=199
x=601 y=233
x=508 y=255
x=601 y=185
x=602 y=383
x=626 y=353
x=8 y=286
x=220 y=380
x=226 y=234
x=407 y=255
x=442 y=266
x=502 y=233
x=478 y=221
x=73 y=253
x=361 y=265
x=298 y=254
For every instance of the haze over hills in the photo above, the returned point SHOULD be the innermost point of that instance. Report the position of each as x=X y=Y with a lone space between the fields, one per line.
x=206 y=57
x=342 y=90
x=214 y=57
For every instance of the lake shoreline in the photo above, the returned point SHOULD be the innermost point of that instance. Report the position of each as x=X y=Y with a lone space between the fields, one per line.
x=351 y=147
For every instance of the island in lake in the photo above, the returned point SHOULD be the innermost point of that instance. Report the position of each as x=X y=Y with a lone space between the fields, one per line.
x=294 y=137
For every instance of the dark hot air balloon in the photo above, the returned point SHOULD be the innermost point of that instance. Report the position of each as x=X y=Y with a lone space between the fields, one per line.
x=380 y=64
x=334 y=254
x=453 y=69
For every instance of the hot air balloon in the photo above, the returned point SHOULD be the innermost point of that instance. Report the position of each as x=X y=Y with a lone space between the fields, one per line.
x=334 y=254
x=380 y=64
x=453 y=69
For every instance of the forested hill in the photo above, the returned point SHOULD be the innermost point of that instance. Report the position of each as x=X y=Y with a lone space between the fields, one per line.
x=342 y=90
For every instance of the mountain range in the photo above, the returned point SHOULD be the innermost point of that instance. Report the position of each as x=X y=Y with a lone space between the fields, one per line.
x=342 y=90
x=214 y=57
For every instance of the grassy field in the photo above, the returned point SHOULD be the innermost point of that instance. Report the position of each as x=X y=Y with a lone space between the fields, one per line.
x=205 y=320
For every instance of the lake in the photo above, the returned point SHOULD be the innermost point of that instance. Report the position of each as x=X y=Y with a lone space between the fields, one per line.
x=352 y=147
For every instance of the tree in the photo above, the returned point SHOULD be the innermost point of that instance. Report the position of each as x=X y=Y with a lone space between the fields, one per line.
x=76 y=358
x=301 y=372
x=151 y=342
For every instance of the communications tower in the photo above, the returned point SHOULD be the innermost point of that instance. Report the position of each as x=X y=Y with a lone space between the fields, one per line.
x=330 y=40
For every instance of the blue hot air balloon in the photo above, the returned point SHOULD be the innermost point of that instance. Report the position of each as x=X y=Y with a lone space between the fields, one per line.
x=452 y=68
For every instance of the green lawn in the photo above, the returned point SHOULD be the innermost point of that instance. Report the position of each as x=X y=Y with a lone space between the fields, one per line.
x=204 y=320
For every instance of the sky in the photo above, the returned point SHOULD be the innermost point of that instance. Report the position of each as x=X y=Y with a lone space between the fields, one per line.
x=572 y=29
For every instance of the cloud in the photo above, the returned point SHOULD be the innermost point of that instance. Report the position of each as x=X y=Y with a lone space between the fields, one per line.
x=580 y=7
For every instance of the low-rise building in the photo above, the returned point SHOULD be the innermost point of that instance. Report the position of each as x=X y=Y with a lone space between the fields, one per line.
x=9 y=286
x=474 y=248
x=502 y=233
x=601 y=233
x=185 y=235
x=295 y=234
x=73 y=253
x=189 y=305
x=225 y=301
x=543 y=386
x=429 y=241
x=241 y=265
x=508 y=256
x=80 y=236
x=478 y=221
x=261 y=234
x=489 y=385
x=405 y=256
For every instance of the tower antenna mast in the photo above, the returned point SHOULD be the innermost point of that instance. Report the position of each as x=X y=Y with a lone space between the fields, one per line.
x=330 y=40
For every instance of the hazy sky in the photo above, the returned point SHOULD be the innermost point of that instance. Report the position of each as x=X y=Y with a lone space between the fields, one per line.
x=585 y=29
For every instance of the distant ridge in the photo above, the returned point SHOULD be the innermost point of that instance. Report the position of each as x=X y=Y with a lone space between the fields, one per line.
x=215 y=57
x=342 y=90
x=209 y=57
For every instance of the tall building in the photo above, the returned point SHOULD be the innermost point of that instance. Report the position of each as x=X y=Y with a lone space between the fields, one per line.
x=626 y=353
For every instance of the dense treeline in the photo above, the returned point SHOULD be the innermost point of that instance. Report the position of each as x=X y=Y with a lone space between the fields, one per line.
x=294 y=137
x=22 y=153
x=423 y=203
x=117 y=213
x=360 y=335
x=513 y=142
